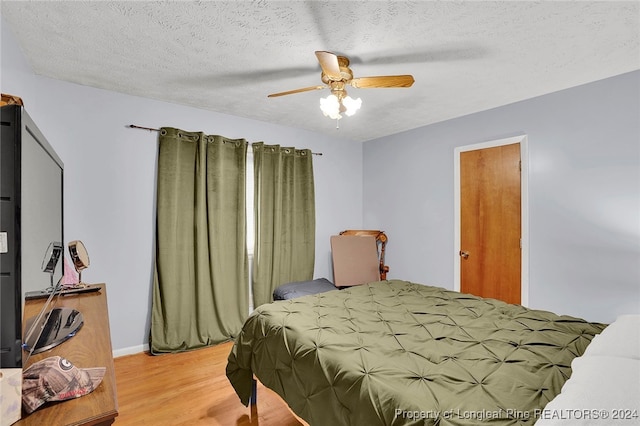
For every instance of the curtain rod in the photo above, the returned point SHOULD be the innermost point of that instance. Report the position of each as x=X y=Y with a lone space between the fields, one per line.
x=151 y=129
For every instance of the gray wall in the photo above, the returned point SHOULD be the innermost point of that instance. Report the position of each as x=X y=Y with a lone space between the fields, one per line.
x=110 y=179
x=584 y=195
x=584 y=188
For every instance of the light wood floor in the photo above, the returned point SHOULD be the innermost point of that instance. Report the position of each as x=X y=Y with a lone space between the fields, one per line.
x=189 y=388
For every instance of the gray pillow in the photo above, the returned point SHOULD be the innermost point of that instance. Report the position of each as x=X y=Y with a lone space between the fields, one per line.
x=302 y=288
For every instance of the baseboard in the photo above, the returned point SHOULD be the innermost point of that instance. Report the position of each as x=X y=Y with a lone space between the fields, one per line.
x=131 y=350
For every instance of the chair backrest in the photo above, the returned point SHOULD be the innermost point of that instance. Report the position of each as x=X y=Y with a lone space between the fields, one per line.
x=381 y=241
x=355 y=260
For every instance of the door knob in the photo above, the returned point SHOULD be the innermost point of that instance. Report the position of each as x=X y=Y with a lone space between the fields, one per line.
x=464 y=254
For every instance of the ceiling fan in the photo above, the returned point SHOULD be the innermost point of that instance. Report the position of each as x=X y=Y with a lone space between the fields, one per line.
x=336 y=74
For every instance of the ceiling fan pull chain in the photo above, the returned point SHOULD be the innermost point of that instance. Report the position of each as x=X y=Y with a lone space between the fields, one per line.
x=337 y=123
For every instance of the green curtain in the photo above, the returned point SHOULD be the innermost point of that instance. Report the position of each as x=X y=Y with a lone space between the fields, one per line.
x=200 y=288
x=284 y=204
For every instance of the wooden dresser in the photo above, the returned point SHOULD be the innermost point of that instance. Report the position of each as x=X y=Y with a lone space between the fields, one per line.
x=90 y=347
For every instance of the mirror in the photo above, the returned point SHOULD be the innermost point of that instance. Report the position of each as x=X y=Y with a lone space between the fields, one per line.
x=50 y=260
x=41 y=212
x=79 y=257
x=49 y=263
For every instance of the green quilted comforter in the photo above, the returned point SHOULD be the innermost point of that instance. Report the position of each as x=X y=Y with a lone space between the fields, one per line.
x=399 y=353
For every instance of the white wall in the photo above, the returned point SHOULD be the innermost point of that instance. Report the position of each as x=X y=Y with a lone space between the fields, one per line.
x=584 y=195
x=110 y=178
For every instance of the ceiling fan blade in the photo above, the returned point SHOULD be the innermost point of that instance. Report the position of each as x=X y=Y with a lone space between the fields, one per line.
x=291 y=92
x=329 y=64
x=383 y=81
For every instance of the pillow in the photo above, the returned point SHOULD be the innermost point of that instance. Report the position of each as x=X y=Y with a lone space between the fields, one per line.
x=602 y=390
x=302 y=288
x=620 y=339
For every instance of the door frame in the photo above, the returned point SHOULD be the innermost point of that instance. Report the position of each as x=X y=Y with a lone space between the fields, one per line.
x=524 y=209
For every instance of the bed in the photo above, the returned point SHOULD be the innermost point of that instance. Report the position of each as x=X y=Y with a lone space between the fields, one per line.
x=604 y=387
x=399 y=353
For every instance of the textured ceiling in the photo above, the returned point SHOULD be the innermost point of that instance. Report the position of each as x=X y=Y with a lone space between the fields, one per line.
x=466 y=56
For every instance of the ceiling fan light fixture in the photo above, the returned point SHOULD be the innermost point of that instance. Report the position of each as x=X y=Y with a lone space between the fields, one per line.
x=352 y=105
x=330 y=107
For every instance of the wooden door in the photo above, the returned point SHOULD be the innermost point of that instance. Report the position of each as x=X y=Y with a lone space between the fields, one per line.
x=490 y=222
